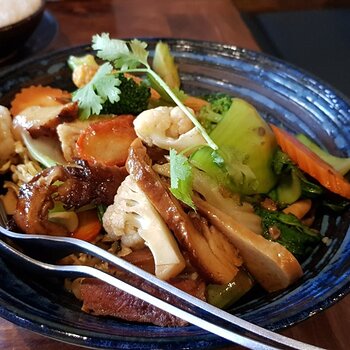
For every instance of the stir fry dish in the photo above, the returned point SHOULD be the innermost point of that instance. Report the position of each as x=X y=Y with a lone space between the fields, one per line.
x=198 y=190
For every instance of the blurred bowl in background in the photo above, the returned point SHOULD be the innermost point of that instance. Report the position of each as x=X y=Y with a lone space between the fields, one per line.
x=14 y=36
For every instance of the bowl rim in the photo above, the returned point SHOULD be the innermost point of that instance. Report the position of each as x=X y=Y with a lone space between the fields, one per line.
x=24 y=20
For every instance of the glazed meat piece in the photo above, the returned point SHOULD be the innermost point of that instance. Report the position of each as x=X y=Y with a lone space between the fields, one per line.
x=35 y=201
x=68 y=134
x=81 y=185
x=87 y=184
x=42 y=121
x=103 y=299
x=201 y=253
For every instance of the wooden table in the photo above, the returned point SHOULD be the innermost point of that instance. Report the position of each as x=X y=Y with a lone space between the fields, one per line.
x=216 y=20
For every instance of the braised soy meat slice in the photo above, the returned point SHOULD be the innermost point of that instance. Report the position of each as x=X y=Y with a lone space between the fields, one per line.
x=81 y=185
x=43 y=121
x=89 y=183
x=35 y=201
x=102 y=299
x=193 y=240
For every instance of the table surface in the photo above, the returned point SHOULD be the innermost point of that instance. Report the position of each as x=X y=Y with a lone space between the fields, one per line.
x=214 y=20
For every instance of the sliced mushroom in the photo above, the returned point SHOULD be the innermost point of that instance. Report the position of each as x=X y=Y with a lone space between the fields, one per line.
x=73 y=186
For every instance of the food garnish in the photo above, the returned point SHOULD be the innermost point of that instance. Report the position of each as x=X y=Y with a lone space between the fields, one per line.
x=126 y=57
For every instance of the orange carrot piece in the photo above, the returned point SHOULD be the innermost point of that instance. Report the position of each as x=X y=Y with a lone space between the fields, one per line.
x=107 y=142
x=311 y=163
x=43 y=96
x=89 y=226
x=195 y=103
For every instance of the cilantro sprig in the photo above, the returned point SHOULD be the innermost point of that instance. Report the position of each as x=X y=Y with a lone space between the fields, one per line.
x=132 y=57
x=102 y=87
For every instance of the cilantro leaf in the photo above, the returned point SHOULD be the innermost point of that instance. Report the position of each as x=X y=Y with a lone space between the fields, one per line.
x=181 y=178
x=123 y=55
x=109 y=49
x=139 y=51
x=102 y=87
x=127 y=56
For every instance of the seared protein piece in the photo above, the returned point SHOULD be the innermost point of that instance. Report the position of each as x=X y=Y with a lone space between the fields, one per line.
x=42 y=121
x=103 y=299
x=81 y=185
x=201 y=254
x=270 y=263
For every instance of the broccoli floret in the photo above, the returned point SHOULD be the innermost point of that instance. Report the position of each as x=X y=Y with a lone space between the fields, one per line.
x=220 y=102
x=134 y=98
x=211 y=114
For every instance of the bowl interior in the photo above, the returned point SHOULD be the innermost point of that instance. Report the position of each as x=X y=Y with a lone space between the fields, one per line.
x=283 y=94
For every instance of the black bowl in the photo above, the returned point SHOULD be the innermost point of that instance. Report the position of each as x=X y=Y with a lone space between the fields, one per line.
x=14 y=36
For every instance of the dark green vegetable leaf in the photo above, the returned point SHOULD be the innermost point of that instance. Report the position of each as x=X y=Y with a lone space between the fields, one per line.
x=296 y=237
x=285 y=168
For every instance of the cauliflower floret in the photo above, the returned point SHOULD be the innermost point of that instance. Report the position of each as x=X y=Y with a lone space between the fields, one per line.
x=167 y=127
x=133 y=219
x=7 y=142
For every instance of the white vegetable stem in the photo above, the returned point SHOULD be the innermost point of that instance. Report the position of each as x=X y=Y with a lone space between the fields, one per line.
x=187 y=112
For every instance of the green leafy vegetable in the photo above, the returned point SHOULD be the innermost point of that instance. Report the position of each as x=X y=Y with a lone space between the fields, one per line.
x=292 y=183
x=101 y=209
x=132 y=57
x=181 y=178
x=102 y=87
x=239 y=134
x=296 y=237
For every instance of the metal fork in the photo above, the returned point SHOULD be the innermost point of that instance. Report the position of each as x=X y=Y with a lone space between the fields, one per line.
x=183 y=305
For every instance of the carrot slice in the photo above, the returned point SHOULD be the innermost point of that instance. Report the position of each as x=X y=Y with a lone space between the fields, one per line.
x=311 y=163
x=195 y=103
x=107 y=142
x=43 y=96
x=89 y=226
